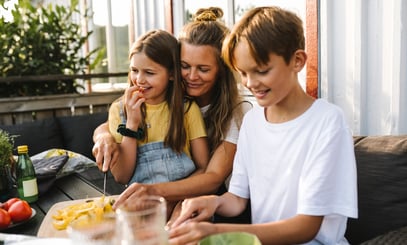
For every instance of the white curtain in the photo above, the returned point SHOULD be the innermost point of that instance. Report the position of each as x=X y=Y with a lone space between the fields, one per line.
x=364 y=63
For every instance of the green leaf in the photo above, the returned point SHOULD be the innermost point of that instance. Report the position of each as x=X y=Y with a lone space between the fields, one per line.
x=44 y=40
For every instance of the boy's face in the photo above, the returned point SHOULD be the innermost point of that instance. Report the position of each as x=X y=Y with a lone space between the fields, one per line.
x=270 y=83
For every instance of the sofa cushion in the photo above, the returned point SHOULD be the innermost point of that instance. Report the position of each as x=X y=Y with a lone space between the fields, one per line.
x=382 y=186
x=38 y=135
x=398 y=236
x=77 y=132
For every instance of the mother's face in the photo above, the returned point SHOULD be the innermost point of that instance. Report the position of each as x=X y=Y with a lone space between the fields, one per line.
x=199 y=68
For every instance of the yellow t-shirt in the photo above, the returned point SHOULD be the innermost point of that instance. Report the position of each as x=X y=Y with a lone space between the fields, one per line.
x=158 y=119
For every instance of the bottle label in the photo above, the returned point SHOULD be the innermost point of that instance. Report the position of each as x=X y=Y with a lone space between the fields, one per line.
x=30 y=187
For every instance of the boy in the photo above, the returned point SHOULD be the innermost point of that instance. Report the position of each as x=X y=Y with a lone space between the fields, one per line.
x=295 y=157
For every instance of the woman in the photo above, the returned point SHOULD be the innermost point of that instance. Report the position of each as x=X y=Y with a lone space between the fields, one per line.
x=214 y=88
x=297 y=151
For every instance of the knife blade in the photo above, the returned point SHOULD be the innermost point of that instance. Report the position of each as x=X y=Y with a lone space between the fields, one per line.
x=104 y=183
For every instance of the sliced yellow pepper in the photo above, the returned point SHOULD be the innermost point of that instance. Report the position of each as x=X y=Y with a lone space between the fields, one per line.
x=87 y=212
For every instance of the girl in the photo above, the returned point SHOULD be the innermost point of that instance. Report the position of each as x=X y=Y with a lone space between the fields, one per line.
x=162 y=134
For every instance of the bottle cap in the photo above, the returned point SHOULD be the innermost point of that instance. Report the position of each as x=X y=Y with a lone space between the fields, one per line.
x=22 y=149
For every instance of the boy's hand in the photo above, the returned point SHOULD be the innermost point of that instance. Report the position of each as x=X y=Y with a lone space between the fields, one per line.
x=197 y=209
x=191 y=233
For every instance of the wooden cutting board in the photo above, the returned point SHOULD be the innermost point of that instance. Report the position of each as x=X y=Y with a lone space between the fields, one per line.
x=47 y=229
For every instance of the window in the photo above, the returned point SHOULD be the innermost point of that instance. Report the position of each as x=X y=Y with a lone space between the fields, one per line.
x=116 y=24
x=233 y=13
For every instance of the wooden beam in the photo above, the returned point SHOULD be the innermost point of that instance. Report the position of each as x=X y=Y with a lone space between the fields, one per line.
x=50 y=102
x=132 y=30
x=169 y=22
x=312 y=47
x=55 y=77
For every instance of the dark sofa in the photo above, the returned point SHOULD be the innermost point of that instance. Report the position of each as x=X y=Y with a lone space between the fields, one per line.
x=382 y=191
x=381 y=165
x=72 y=133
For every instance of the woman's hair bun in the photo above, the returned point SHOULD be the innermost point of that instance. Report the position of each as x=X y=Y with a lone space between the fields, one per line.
x=208 y=14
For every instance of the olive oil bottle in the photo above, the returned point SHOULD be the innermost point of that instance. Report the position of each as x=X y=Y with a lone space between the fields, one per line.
x=27 y=186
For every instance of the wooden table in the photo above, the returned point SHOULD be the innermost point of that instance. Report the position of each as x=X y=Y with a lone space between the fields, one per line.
x=87 y=184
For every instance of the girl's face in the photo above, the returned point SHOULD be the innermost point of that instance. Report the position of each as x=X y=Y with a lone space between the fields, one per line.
x=272 y=83
x=199 y=69
x=150 y=76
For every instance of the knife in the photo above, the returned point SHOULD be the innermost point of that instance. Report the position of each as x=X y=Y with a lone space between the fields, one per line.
x=104 y=183
x=104 y=178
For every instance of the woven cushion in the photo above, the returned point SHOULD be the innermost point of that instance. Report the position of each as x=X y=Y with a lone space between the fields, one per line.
x=382 y=187
x=396 y=237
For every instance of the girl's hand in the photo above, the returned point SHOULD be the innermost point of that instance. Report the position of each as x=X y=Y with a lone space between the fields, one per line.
x=133 y=98
x=197 y=209
x=191 y=232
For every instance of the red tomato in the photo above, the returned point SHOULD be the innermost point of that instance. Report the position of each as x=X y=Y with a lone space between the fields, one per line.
x=5 y=219
x=20 y=211
x=10 y=201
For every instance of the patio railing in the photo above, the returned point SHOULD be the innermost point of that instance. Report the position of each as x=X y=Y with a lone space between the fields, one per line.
x=18 y=110
x=24 y=109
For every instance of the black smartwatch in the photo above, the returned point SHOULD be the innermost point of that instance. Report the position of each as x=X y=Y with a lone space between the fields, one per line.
x=139 y=134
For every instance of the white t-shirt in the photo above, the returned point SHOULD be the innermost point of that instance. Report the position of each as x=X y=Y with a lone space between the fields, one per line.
x=303 y=166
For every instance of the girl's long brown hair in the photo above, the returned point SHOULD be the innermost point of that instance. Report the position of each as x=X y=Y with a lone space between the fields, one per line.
x=206 y=30
x=163 y=48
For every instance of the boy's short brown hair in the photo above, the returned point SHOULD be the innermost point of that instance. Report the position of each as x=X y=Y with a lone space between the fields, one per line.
x=267 y=30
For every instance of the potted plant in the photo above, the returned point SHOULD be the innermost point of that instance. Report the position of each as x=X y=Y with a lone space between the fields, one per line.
x=6 y=164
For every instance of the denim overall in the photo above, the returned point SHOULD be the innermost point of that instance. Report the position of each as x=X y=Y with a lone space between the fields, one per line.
x=156 y=163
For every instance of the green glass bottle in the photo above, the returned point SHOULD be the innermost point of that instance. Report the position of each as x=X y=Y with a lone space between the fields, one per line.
x=25 y=173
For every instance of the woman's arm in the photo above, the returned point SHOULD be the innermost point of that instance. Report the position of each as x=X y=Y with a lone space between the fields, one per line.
x=105 y=150
x=108 y=153
x=100 y=130
x=200 y=154
x=218 y=169
x=123 y=171
x=197 y=137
